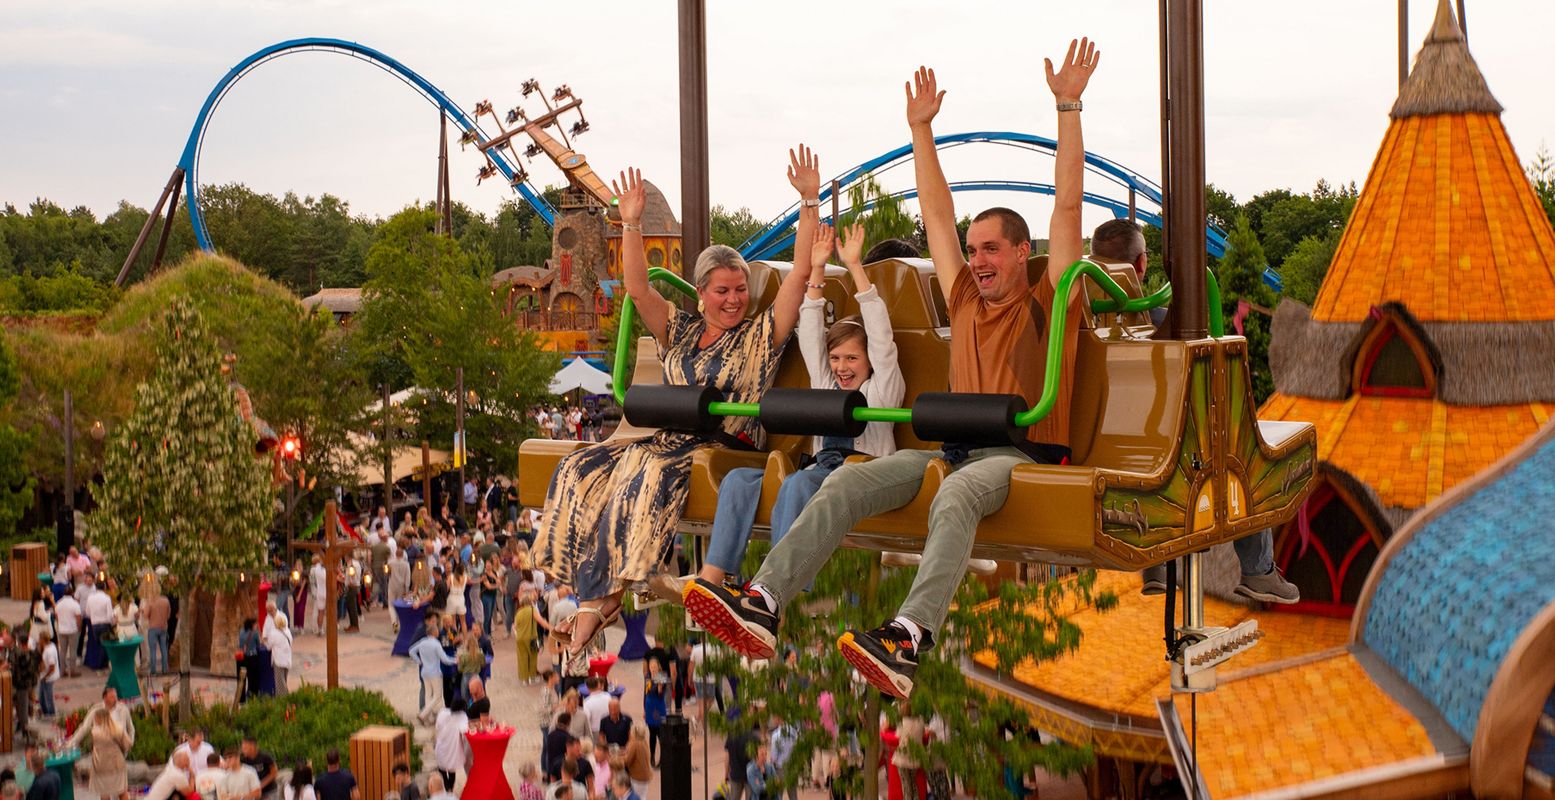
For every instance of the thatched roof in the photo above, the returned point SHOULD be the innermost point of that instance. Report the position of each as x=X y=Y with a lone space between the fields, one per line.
x=1445 y=79
x=1476 y=363
x=658 y=217
x=336 y=301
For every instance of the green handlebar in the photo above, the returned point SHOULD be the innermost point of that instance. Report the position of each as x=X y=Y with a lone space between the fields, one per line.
x=1117 y=301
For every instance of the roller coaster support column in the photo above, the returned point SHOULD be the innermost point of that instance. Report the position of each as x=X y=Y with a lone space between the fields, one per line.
x=171 y=190
x=695 y=198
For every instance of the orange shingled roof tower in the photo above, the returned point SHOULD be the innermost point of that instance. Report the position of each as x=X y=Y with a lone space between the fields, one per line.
x=1428 y=353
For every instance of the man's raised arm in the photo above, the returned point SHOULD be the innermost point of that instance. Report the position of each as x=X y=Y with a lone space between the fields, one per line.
x=1065 y=242
x=934 y=201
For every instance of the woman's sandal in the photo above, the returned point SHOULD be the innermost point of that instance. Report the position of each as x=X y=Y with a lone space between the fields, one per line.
x=606 y=619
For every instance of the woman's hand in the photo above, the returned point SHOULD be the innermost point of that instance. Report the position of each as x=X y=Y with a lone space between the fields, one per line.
x=804 y=173
x=631 y=195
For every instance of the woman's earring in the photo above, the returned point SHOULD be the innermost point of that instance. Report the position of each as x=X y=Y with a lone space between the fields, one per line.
x=701 y=306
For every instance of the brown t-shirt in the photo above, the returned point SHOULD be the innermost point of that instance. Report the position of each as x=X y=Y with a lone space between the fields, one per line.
x=1002 y=349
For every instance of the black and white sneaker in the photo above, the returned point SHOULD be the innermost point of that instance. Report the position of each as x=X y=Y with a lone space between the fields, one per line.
x=885 y=656
x=738 y=617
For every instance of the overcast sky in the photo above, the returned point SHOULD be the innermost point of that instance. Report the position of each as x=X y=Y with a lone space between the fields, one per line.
x=99 y=96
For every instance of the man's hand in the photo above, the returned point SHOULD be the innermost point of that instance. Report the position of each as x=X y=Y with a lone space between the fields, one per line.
x=820 y=252
x=851 y=251
x=804 y=172
x=1070 y=81
x=631 y=195
x=923 y=98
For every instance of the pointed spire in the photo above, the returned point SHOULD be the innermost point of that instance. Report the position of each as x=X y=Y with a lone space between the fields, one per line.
x=1445 y=29
x=1445 y=79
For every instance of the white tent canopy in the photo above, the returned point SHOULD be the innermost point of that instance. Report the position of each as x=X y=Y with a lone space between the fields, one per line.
x=579 y=375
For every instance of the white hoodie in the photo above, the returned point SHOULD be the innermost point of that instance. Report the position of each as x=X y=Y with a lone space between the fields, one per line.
x=885 y=387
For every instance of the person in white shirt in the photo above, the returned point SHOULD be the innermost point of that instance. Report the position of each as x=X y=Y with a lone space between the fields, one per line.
x=450 y=746
x=99 y=612
x=317 y=594
x=174 y=778
x=240 y=782
x=597 y=704
x=198 y=752
x=279 y=642
x=48 y=673
x=67 y=619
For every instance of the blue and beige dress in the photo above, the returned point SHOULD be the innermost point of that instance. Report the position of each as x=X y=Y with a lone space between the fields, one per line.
x=611 y=510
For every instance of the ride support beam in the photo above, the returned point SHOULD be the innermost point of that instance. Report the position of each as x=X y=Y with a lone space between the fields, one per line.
x=167 y=226
x=1183 y=161
x=1403 y=42
x=695 y=197
x=169 y=190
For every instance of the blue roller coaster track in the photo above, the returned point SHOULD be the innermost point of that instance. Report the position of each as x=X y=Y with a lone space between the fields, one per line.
x=776 y=237
x=190 y=160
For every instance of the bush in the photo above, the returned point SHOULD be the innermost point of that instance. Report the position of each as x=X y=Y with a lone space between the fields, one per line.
x=306 y=724
x=303 y=725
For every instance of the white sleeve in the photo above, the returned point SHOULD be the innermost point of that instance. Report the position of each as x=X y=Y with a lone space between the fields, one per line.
x=812 y=342
x=887 y=387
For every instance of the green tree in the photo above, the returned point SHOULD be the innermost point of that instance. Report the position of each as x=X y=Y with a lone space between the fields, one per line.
x=1282 y=219
x=1023 y=623
x=1241 y=279
x=182 y=487
x=733 y=228
x=1307 y=265
x=1542 y=174
x=16 y=482
x=882 y=214
x=427 y=312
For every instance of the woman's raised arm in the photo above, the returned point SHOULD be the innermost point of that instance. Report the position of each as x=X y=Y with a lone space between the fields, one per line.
x=654 y=310
x=805 y=175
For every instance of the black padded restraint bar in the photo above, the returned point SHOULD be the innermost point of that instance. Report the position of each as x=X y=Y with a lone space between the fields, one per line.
x=672 y=407
x=974 y=419
x=812 y=412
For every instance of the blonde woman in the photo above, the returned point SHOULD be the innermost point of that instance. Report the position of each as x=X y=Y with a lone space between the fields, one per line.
x=279 y=641
x=611 y=510
x=527 y=624
x=113 y=734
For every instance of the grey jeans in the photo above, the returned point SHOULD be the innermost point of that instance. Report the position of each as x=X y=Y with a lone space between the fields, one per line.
x=976 y=488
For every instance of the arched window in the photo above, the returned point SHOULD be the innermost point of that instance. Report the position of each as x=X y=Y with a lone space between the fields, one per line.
x=1330 y=559
x=1393 y=360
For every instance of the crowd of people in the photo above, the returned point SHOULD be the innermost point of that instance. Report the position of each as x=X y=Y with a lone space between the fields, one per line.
x=579 y=423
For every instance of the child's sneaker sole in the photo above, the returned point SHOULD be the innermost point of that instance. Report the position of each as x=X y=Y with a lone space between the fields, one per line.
x=886 y=680
x=750 y=641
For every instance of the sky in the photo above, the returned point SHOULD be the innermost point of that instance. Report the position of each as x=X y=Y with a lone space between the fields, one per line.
x=98 y=96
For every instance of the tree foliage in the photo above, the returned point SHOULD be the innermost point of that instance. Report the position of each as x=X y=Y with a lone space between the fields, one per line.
x=182 y=486
x=1023 y=624
x=1542 y=174
x=1307 y=265
x=15 y=481
x=428 y=312
x=1241 y=279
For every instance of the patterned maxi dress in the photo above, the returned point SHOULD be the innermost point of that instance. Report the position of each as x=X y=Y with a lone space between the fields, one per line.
x=611 y=510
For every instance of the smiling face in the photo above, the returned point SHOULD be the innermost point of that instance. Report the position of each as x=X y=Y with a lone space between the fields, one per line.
x=725 y=295
x=849 y=363
x=997 y=264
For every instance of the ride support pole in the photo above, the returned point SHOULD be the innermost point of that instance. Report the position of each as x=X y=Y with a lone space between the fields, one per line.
x=675 y=761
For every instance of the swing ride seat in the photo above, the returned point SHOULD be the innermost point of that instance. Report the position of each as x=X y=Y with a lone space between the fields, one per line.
x=1167 y=455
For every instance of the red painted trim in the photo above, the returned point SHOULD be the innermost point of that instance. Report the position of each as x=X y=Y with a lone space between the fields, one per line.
x=1344 y=566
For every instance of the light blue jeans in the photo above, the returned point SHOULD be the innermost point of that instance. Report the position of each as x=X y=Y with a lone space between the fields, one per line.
x=157 y=639
x=738 y=496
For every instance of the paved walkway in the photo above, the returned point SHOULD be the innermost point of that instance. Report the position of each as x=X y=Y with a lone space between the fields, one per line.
x=365 y=662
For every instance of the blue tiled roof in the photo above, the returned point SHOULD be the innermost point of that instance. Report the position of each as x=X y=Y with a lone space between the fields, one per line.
x=1454 y=598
